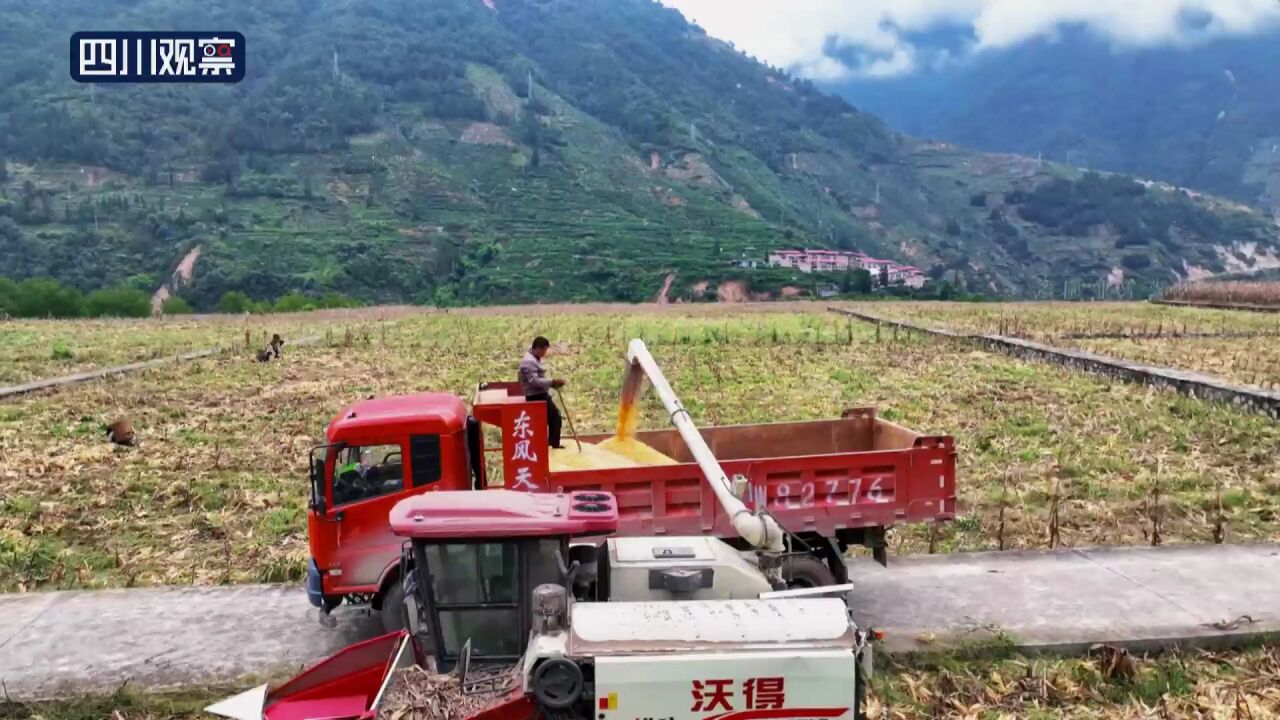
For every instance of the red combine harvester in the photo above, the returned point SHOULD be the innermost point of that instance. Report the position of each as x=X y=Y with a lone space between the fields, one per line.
x=519 y=589
x=814 y=487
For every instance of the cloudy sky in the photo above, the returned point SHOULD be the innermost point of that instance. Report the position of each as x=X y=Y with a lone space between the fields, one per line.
x=882 y=37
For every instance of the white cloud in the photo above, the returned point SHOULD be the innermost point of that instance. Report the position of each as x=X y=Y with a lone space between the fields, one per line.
x=871 y=33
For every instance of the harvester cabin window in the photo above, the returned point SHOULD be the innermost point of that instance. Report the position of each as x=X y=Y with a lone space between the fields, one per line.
x=365 y=472
x=476 y=586
x=424 y=451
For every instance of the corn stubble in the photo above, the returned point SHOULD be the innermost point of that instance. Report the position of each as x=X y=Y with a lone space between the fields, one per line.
x=215 y=489
x=1240 y=347
x=1262 y=293
x=1109 y=685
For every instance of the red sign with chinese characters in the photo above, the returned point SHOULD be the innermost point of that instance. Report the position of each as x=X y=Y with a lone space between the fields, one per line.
x=761 y=698
x=756 y=694
x=524 y=447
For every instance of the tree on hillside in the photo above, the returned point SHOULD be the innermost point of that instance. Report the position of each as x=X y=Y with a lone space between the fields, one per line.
x=858 y=281
x=118 y=302
x=338 y=300
x=176 y=306
x=46 y=297
x=8 y=297
x=294 y=302
x=884 y=276
x=234 y=302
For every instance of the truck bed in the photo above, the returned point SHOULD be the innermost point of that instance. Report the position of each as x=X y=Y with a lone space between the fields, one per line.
x=829 y=477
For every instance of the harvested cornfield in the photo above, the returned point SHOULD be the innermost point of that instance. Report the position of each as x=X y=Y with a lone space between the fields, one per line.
x=1239 y=347
x=1109 y=685
x=1264 y=294
x=47 y=348
x=215 y=490
x=1242 y=361
x=1057 y=322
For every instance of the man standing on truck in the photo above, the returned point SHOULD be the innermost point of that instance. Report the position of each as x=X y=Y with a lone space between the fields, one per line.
x=537 y=386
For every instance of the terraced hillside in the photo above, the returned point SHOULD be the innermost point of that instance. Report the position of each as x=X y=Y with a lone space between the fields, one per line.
x=522 y=150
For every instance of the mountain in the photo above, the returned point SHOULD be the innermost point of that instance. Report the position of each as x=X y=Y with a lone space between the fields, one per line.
x=1205 y=116
x=523 y=150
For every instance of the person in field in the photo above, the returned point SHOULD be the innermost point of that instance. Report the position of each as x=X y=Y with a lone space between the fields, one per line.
x=537 y=386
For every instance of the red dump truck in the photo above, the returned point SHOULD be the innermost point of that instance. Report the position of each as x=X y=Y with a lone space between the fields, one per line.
x=828 y=484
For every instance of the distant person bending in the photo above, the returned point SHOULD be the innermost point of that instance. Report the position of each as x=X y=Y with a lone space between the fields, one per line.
x=537 y=386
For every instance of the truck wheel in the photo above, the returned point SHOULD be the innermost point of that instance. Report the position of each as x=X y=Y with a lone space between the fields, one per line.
x=806 y=572
x=393 y=607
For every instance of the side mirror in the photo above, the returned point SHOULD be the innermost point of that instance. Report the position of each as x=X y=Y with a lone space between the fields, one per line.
x=315 y=473
x=317 y=490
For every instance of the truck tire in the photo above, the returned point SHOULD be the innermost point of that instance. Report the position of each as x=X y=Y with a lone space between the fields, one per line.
x=393 y=607
x=804 y=571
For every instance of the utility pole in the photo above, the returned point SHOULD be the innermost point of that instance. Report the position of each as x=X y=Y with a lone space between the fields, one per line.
x=877 y=192
x=693 y=132
x=529 y=94
x=336 y=73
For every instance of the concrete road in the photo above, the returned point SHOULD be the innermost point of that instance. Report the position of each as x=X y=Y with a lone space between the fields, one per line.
x=67 y=643
x=71 y=643
x=1066 y=600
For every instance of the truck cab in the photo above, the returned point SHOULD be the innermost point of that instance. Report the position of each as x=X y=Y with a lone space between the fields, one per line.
x=376 y=453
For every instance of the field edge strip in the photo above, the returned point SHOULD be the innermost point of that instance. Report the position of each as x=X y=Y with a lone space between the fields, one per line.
x=103 y=373
x=1191 y=384
x=1217 y=306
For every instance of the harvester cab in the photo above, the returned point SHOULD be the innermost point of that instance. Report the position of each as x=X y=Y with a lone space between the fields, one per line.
x=478 y=560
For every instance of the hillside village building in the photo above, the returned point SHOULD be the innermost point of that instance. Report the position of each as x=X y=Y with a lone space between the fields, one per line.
x=810 y=261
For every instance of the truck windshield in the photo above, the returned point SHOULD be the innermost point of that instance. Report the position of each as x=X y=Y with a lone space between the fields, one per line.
x=369 y=471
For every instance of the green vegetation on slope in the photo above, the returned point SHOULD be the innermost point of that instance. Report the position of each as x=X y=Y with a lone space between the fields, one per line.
x=453 y=153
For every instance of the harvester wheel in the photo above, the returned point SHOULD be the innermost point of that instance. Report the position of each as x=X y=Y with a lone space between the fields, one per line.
x=393 y=619
x=557 y=683
x=803 y=571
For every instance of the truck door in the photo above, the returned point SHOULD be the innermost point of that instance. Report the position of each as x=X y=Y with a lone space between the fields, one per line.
x=367 y=481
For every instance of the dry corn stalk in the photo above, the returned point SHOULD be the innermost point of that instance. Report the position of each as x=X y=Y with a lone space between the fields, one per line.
x=419 y=694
